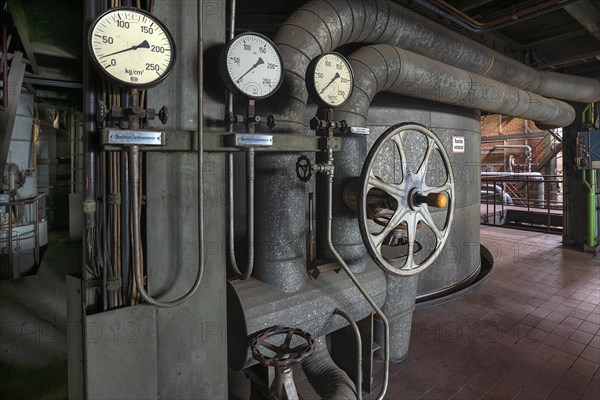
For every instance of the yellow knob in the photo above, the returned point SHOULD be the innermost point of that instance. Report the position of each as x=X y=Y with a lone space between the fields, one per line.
x=438 y=200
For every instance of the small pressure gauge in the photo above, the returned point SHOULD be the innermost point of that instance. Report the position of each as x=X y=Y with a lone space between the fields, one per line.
x=329 y=80
x=131 y=47
x=250 y=65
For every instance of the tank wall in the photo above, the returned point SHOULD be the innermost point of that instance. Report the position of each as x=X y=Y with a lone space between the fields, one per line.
x=460 y=257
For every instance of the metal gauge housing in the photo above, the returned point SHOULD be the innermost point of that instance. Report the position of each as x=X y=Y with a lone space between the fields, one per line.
x=329 y=80
x=250 y=65
x=131 y=47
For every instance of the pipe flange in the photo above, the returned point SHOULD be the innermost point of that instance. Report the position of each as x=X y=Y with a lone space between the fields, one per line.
x=283 y=354
x=414 y=198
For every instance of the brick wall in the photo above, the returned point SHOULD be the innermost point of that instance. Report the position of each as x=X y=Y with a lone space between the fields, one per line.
x=492 y=125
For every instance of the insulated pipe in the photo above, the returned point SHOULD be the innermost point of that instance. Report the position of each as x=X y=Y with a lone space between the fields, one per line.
x=253 y=306
x=390 y=69
x=329 y=381
x=323 y=25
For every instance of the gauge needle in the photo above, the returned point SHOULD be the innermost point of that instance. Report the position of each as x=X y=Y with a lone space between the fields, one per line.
x=337 y=75
x=143 y=45
x=259 y=62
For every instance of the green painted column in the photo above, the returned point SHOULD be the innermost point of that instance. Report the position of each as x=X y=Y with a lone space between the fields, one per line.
x=591 y=205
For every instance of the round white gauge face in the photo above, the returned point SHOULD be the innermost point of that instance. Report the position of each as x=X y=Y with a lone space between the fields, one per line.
x=330 y=80
x=252 y=66
x=131 y=47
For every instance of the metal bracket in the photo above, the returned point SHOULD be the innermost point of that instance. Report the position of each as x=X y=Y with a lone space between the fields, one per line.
x=186 y=141
x=114 y=198
x=222 y=142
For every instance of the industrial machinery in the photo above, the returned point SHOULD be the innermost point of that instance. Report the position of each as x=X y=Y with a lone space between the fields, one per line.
x=23 y=221
x=293 y=222
x=588 y=150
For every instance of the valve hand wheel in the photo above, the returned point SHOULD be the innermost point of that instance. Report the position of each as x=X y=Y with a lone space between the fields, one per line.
x=265 y=351
x=303 y=169
x=413 y=196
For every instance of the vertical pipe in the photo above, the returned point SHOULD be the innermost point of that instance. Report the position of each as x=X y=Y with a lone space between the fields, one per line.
x=4 y=65
x=135 y=195
x=346 y=268
x=89 y=100
x=591 y=206
x=311 y=228
x=125 y=235
x=357 y=336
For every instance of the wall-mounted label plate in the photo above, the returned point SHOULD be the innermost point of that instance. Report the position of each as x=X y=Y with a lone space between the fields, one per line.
x=248 y=140
x=132 y=137
x=458 y=144
x=357 y=130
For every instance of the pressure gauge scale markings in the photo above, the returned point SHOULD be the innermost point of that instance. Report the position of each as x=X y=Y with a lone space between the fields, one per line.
x=251 y=65
x=131 y=47
x=329 y=80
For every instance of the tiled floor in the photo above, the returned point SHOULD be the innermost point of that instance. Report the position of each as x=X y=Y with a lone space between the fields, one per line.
x=530 y=332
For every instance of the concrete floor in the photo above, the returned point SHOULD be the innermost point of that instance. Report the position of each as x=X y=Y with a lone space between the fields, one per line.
x=530 y=332
x=33 y=326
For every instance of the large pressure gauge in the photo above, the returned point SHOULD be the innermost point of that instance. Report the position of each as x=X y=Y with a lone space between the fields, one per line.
x=251 y=66
x=329 y=80
x=131 y=48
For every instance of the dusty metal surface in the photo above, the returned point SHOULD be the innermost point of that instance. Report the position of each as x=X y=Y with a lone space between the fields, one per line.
x=122 y=345
x=253 y=306
x=190 y=338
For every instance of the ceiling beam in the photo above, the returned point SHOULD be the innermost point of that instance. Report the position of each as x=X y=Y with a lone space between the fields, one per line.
x=550 y=40
x=466 y=5
x=587 y=15
x=18 y=16
x=577 y=59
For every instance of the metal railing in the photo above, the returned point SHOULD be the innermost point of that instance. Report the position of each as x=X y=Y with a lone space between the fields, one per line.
x=15 y=214
x=525 y=202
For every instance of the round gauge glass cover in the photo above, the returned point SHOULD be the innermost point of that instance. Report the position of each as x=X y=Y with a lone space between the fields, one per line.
x=131 y=47
x=252 y=66
x=332 y=79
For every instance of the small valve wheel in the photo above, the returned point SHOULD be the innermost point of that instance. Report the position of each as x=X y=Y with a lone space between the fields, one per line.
x=303 y=169
x=284 y=354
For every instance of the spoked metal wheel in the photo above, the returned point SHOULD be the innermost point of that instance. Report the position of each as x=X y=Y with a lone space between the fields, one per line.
x=393 y=209
x=282 y=347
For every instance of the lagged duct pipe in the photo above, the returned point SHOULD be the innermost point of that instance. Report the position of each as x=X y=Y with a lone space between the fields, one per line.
x=385 y=68
x=323 y=25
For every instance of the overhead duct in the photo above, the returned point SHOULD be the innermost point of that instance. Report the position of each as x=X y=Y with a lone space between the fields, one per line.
x=321 y=26
x=385 y=68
